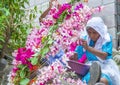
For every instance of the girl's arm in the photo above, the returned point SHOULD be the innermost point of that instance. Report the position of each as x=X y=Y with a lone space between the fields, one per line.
x=96 y=52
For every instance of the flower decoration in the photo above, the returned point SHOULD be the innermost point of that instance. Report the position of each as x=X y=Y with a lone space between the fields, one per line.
x=60 y=29
x=62 y=9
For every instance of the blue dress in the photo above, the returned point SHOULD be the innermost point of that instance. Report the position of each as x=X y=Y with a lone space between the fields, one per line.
x=108 y=71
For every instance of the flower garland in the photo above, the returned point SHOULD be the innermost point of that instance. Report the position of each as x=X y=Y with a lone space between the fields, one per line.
x=60 y=29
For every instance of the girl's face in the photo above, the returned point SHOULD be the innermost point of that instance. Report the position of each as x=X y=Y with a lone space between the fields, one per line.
x=94 y=35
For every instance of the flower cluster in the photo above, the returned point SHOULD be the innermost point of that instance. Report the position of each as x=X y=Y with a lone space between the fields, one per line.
x=48 y=73
x=60 y=29
x=21 y=64
x=62 y=80
x=61 y=10
x=56 y=74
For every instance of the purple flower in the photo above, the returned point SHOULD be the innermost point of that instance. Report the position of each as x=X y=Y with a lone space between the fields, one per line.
x=79 y=6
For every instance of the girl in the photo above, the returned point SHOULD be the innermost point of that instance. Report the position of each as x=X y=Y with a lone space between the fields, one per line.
x=97 y=46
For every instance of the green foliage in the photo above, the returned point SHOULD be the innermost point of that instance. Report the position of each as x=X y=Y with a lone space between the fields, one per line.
x=24 y=81
x=14 y=23
x=44 y=50
x=23 y=72
x=62 y=17
x=34 y=60
x=73 y=1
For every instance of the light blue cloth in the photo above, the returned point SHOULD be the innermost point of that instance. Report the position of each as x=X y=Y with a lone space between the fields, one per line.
x=108 y=67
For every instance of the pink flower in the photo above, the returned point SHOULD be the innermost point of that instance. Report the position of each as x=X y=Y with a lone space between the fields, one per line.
x=15 y=62
x=73 y=46
x=60 y=11
x=15 y=69
x=52 y=11
x=23 y=55
x=68 y=16
x=56 y=16
x=14 y=53
x=41 y=84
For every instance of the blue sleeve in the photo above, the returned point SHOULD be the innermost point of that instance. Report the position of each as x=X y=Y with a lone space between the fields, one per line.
x=79 y=50
x=107 y=47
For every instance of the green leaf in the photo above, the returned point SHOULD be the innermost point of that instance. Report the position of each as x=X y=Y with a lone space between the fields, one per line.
x=27 y=2
x=34 y=15
x=2 y=25
x=7 y=12
x=50 y=41
x=73 y=1
x=24 y=81
x=34 y=60
x=2 y=39
x=44 y=51
x=20 y=66
x=40 y=12
x=78 y=0
x=31 y=16
x=36 y=54
x=44 y=39
x=0 y=46
x=62 y=17
x=31 y=25
x=23 y=72
x=53 y=28
x=35 y=8
x=22 y=4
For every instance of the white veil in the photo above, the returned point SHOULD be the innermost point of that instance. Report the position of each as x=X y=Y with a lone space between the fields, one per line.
x=98 y=25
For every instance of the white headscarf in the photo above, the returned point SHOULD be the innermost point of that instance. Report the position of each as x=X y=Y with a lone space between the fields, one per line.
x=98 y=25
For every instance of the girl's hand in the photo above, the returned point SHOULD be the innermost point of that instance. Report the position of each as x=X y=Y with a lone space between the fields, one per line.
x=84 y=43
